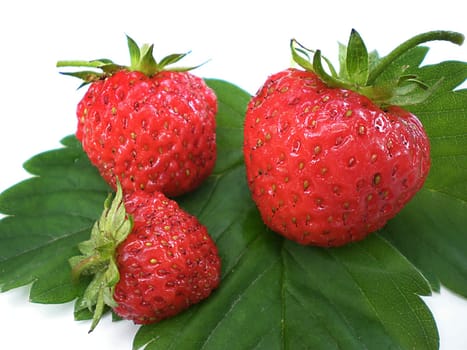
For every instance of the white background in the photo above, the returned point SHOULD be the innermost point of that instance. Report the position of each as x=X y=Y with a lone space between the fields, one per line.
x=245 y=42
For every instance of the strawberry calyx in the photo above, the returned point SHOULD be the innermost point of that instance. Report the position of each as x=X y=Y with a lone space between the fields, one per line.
x=141 y=59
x=98 y=257
x=364 y=72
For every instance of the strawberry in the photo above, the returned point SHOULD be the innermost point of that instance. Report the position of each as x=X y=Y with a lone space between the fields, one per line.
x=149 y=258
x=150 y=126
x=330 y=159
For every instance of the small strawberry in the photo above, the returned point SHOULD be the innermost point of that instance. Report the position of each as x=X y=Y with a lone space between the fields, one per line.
x=149 y=258
x=150 y=126
x=331 y=158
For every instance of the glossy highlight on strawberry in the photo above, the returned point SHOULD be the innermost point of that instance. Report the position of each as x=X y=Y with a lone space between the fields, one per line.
x=167 y=263
x=154 y=133
x=149 y=259
x=326 y=166
x=332 y=155
x=150 y=125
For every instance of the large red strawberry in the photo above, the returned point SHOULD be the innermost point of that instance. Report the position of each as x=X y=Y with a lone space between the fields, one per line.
x=149 y=258
x=151 y=126
x=330 y=158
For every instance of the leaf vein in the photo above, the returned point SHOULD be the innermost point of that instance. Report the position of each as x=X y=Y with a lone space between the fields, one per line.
x=55 y=239
x=368 y=298
x=337 y=310
x=236 y=301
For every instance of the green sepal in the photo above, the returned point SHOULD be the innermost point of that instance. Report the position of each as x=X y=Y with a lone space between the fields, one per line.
x=174 y=58
x=87 y=76
x=357 y=60
x=141 y=60
x=414 y=93
x=366 y=73
x=106 y=65
x=171 y=59
x=298 y=50
x=330 y=80
x=89 y=64
x=98 y=257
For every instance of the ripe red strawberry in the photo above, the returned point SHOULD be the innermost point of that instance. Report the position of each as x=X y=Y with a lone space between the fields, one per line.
x=150 y=259
x=327 y=165
x=150 y=126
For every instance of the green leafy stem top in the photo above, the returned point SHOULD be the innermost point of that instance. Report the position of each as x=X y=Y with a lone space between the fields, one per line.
x=98 y=256
x=141 y=59
x=367 y=73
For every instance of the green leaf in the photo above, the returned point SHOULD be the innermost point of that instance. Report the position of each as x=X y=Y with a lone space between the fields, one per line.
x=50 y=214
x=279 y=291
x=365 y=295
x=435 y=219
x=388 y=81
x=232 y=102
x=414 y=92
x=431 y=232
x=406 y=46
x=453 y=74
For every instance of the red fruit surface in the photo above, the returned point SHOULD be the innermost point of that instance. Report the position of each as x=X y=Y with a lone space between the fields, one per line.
x=326 y=166
x=167 y=263
x=153 y=133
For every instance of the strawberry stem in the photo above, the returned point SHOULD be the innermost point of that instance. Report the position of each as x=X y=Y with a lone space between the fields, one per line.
x=453 y=37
